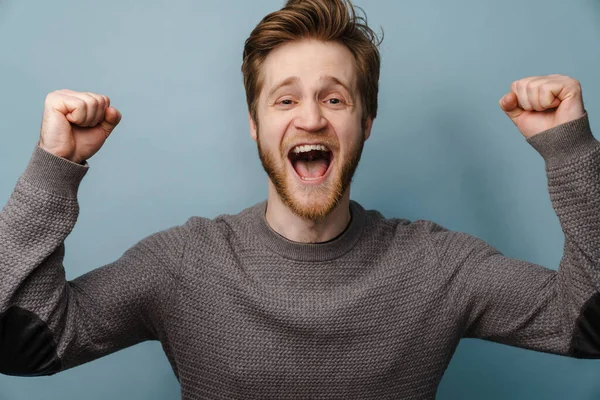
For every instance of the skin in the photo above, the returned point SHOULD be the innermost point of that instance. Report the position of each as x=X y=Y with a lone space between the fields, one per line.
x=75 y=125
x=317 y=103
x=538 y=103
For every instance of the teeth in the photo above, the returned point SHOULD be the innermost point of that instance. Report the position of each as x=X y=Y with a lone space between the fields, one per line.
x=309 y=147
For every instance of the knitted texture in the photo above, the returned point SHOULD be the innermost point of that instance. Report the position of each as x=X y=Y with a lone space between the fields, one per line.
x=243 y=313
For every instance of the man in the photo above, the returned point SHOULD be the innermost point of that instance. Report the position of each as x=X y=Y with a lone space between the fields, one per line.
x=306 y=295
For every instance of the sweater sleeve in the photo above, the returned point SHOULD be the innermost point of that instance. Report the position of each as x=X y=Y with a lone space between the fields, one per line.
x=48 y=324
x=523 y=304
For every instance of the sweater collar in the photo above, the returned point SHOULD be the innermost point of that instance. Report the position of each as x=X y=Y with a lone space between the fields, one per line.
x=324 y=251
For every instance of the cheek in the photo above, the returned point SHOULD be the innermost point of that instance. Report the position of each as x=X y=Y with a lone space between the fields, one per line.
x=348 y=130
x=271 y=136
x=274 y=130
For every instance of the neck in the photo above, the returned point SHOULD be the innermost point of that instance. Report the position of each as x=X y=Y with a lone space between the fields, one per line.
x=283 y=221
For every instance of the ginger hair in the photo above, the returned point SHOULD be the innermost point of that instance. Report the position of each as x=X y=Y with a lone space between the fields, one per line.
x=325 y=20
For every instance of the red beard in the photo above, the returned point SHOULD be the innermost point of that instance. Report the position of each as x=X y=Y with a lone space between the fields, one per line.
x=327 y=195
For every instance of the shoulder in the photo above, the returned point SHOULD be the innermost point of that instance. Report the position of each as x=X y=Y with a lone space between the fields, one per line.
x=223 y=230
x=423 y=234
x=401 y=228
x=223 y=223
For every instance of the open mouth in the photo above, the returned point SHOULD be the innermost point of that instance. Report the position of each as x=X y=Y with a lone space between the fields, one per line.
x=310 y=161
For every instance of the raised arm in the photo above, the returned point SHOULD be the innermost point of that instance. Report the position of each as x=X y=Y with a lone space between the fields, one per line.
x=523 y=304
x=46 y=323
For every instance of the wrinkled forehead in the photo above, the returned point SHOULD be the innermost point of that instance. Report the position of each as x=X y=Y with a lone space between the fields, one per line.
x=310 y=65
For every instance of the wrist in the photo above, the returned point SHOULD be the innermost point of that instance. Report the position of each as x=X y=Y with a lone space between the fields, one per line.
x=69 y=156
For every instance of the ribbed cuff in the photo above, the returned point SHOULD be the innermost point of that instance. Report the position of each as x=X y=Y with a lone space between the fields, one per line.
x=54 y=174
x=564 y=142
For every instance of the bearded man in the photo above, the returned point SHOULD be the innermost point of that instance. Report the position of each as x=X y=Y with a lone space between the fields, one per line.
x=306 y=295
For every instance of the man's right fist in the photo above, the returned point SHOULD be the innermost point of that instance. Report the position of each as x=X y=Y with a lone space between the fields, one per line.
x=75 y=125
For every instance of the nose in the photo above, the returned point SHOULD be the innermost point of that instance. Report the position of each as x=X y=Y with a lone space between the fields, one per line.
x=310 y=118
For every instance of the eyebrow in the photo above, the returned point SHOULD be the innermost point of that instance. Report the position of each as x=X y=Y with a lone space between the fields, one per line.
x=336 y=81
x=286 y=82
x=293 y=79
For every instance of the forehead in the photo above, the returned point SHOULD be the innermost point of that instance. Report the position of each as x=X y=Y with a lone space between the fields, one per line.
x=309 y=60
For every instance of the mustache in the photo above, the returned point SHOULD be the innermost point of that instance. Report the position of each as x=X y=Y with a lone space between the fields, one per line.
x=331 y=142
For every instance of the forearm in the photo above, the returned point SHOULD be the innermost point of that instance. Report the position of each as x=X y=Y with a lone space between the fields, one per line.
x=572 y=158
x=37 y=218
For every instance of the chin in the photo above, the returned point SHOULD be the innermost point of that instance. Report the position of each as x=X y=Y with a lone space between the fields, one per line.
x=313 y=211
x=311 y=202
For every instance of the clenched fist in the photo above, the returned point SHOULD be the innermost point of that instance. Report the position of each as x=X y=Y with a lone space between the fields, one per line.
x=538 y=103
x=75 y=125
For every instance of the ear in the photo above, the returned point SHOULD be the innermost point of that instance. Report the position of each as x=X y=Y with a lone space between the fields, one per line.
x=253 y=131
x=368 y=126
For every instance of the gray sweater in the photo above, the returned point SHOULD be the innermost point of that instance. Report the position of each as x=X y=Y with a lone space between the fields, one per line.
x=243 y=313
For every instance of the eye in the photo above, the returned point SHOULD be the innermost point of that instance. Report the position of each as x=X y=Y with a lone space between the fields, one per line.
x=334 y=101
x=284 y=103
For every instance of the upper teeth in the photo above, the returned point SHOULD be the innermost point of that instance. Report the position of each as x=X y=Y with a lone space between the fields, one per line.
x=309 y=147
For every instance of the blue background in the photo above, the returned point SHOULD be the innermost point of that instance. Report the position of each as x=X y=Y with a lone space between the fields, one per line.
x=441 y=148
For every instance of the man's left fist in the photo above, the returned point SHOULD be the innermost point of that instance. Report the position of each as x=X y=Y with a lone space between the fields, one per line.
x=538 y=103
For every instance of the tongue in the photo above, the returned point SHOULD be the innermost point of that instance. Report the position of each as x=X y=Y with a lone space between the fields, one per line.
x=311 y=169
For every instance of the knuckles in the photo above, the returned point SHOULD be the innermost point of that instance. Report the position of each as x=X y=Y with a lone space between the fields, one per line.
x=50 y=98
x=530 y=84
x=93 y=102
x=85 y=100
